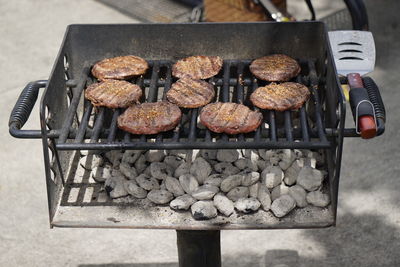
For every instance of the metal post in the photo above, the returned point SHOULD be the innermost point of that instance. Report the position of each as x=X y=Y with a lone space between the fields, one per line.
x=199 y=248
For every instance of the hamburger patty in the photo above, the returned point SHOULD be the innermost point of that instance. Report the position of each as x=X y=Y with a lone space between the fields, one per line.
x=280 y=97
x=190 y=93
x=150 y=118
x=197 y=67
x=275 y=68
x=119 y=68
x=113 y=93
x=230 y=118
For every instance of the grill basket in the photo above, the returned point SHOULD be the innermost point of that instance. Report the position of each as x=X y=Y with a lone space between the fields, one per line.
x=69 y=123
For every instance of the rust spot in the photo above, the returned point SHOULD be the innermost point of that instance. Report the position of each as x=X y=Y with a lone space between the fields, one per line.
x=112 y=219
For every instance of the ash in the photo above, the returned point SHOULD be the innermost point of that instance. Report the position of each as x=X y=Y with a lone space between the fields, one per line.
x=213 y=183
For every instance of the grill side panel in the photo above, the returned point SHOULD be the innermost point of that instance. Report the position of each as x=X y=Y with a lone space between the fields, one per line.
x=335 y=114
x=174 y=41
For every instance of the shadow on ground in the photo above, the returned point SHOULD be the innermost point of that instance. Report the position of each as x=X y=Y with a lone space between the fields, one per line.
x=349 y=242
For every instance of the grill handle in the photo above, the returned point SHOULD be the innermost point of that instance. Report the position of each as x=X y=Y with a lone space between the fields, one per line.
x=22 y=110
x=374 y=96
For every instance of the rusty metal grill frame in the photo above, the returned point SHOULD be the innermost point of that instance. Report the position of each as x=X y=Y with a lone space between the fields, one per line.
x=65 y=113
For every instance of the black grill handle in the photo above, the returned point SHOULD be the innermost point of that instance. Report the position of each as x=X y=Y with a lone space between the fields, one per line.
x=22 y=110
x=374 y=96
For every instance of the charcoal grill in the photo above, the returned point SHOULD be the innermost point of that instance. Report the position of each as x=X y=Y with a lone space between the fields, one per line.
x=69 y=123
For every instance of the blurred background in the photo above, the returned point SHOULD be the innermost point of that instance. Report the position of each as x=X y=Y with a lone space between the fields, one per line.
x=368 y=224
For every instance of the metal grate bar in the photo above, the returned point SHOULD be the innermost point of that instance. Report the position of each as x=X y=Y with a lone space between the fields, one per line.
x=272 y=125
x=257 y=135
x=95 y=195
x=251 y=88
x=304 y=124
x=167 y=86
x=193 y=125
x=127 y=137
x=159 y=137
x=240 y=91
x=207 y=137
x=73 y=107
x=288 y=126
x=303 y=119
x=84 y=123
x=225 y=87
x=314 y=89
x=153 y=88
x=177 y=132
x=168 y=82
x=196 y=145
x=81 y=193
x=113 y=126
x=239 y=85
x=98 y=125
x=225 y=91
x=140 y=82
x=81 y=186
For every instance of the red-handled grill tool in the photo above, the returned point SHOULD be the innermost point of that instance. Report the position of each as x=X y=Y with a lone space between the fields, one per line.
x=359 y=101
x=354 y=54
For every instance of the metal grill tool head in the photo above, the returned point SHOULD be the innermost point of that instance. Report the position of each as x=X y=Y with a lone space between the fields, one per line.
x=353 y=51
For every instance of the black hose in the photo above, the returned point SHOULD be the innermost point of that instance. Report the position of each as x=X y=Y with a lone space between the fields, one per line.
x=311 y=8
x=358 y=14
x=375 y=98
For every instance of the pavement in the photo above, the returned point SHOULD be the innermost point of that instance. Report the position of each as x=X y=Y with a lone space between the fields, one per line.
x=368 y=224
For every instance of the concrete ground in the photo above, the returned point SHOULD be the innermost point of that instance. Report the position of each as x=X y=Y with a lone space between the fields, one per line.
x=368 y=230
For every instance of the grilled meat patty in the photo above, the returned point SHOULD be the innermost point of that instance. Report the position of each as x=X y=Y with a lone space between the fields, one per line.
x=197 y=67
x=230 y=118
x=190 y=93
x=280 y=97
x=113 y=93
x=150 y=118
x=120 y=68
x=275 y=68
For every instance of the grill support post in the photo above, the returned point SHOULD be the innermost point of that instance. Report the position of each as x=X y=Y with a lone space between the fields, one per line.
x=199 y=248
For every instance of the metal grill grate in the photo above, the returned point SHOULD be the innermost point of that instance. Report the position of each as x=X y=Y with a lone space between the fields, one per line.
x=96 y=128
x=81 y=190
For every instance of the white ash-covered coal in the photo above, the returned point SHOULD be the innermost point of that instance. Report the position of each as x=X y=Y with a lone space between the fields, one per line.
x=211 y=183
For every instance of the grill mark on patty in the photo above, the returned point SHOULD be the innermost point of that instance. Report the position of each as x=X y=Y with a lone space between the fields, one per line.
x=230 y=115
x=150 y=118
x=193 y=89
x=245 y=118
x=276 y=67
x=169 y=110
x=280 y=97
x=113 y=93
x=219 y=109
x=230 y=118
x=214 y=65
x=198 y=91
x=197 y=67
x=123 y=67
x=190 y=93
